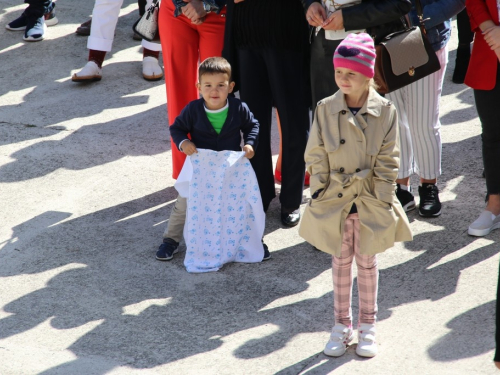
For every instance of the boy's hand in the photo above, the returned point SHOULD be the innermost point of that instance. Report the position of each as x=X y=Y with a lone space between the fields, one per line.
x=189 y=148
x=249 y=152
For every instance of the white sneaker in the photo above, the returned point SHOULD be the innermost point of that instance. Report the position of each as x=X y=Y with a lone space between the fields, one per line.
x=151 y=70
x=367 y=346
x=90 y=72
x=484 y=224
x=340 y=337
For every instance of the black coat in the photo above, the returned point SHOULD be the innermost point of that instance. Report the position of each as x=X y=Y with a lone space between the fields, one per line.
x=194 y=121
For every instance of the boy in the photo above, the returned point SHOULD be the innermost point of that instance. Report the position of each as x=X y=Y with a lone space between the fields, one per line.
x=214 y=122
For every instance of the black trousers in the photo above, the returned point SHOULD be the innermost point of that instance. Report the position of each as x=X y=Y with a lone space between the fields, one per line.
x=273 y=77
x=322 y=71
x=488 y=109
x=37 y=8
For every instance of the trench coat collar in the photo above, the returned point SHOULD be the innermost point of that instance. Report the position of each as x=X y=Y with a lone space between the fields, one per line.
x=372 y=105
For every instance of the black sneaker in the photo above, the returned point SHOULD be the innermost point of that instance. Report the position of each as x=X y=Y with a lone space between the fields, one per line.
x=405 y=198
x=267 y=254
x=20 y=22
x=35 y=29
x=167 y=249
x=430 y=206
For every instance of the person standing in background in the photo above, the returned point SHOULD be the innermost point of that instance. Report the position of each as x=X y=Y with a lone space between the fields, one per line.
x=483 y=76
x=266 y=43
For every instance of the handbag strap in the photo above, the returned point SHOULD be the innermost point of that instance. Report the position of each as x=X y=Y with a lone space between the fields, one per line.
x=420 y=15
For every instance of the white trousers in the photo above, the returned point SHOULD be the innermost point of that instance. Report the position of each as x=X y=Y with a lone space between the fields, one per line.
x=104 y=20
x=419 y=125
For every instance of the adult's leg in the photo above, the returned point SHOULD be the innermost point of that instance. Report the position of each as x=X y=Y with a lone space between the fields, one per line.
x=104 y=20
x=322 y=71
x=406 y=160
x=465 y=37
x=255 y=91
x=489 y=113
x=342 y=276
x=179 y=41
x=289 y=89
x=424 y=124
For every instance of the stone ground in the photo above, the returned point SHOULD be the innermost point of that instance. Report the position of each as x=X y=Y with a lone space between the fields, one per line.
x=85 y=192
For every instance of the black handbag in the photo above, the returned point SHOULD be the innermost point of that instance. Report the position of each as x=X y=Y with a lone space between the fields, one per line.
x=147 y=26
x=404 y=57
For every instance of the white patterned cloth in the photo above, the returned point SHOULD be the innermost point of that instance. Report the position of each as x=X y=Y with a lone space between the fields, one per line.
x=225 y=219
x=332 y=6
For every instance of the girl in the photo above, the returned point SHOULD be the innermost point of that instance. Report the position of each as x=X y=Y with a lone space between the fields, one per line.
x=353 y=158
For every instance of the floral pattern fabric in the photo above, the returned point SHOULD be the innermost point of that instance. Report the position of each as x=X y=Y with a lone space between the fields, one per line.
x=225 y=218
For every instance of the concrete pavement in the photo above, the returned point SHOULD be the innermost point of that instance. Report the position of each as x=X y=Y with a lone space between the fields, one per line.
x=85 y=194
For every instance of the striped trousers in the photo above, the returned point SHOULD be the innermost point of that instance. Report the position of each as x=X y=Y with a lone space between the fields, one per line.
x=419 y=125
x=342 y=278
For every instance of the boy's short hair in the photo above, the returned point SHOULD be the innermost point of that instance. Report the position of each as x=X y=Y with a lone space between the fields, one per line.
x=214 y=65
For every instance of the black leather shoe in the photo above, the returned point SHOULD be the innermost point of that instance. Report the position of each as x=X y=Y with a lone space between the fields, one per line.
x=290 y=219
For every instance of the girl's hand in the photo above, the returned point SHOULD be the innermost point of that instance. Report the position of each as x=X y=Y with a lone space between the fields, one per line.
x=315 y=14
x=249 y=152
x=194 y=11
x=189 y=148
x=334 y=22
x=492 y=37
x=238 y=1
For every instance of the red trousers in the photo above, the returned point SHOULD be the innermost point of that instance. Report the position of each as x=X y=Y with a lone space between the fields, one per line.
x=184 y=45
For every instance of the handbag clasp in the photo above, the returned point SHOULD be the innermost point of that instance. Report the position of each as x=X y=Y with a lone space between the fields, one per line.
x=411 y=71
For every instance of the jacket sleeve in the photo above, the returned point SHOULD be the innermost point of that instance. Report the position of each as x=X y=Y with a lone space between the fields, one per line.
x=181 y=127
x=438 y=12
x=374 y=13
x=478 y=13
x=307 y=3
x=316 y=158
x=386 y=166
x=249 y=126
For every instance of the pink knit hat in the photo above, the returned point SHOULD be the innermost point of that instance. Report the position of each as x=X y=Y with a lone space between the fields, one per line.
x=356 y=52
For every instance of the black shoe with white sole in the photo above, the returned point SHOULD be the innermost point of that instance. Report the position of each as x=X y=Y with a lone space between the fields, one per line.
x=430 y=206
x=405 y=198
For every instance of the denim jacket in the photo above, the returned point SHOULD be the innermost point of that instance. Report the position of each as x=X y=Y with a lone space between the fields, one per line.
x=215 y=5
x=438 y=13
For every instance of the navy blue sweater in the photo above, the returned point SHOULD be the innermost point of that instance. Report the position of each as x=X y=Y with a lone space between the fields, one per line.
x=193 y=120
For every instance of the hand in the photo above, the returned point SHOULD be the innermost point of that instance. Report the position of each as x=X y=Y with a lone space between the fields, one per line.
x=334 y=22
x=189 y=148
x=238 y=1
x=315 y=14
x=497 y=364
x=249 y=152
x=194 y=11
x=492 y=37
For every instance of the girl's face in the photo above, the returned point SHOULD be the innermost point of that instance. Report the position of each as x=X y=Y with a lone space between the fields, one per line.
x=351 y=82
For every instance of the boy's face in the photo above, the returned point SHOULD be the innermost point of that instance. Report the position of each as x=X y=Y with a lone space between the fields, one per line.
x=351 y=82
x=214 y=88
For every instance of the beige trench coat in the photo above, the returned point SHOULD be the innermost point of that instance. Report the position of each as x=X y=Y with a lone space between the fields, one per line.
x=355 y=159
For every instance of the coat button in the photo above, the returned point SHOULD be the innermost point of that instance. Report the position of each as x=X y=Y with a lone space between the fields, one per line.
x=355 y=195
x=358 y=170
x=342 y=170
x=342 y=141
x=343 y=112
x=340 y=195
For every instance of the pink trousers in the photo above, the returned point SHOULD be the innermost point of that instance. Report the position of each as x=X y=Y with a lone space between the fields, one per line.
x=342 y=278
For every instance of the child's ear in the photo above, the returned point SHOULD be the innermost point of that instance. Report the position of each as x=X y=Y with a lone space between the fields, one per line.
x=198 y=86
x=231 y=86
